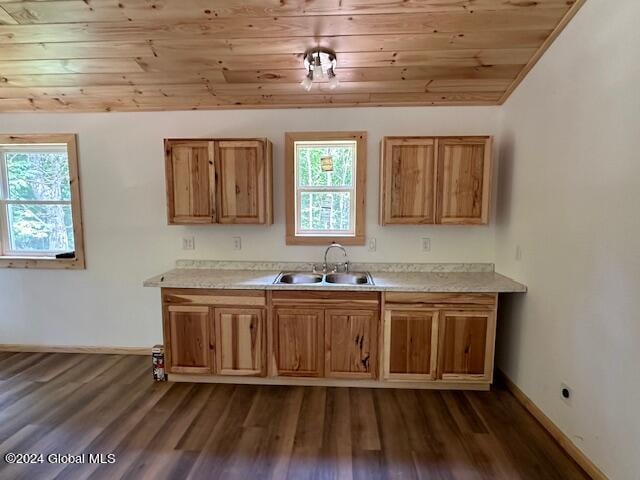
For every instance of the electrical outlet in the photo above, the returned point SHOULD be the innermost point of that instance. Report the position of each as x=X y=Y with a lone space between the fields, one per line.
x=188 y=243
x=237 y=243
x=518 y=253
x=426 y=244
x=566 y=393
x=372 y=244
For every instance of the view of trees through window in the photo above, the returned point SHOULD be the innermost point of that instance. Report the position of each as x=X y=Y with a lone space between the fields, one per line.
x=37 y=201
x=325 y=197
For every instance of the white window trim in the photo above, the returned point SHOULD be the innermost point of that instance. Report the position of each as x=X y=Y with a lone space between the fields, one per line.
x=5 y=240
x=299 y=190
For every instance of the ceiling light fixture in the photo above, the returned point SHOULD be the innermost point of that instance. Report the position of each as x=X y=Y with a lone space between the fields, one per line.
x=320 y=64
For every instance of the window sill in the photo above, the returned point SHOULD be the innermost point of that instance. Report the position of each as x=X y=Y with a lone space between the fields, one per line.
x=42 y=263
x=304 y=240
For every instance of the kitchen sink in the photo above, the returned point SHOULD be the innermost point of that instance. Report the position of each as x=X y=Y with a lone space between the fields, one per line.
x=296 y=278
x=305 y=278
x=348 y=278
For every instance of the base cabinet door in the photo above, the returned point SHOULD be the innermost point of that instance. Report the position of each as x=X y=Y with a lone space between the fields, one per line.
x=410 y=344
x=298 y=342
x=239 y=341
x=466 y=345
x=351 y=339
x=187 y=331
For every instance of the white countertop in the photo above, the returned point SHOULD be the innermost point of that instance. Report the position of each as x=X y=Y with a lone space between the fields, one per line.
x=429 y=278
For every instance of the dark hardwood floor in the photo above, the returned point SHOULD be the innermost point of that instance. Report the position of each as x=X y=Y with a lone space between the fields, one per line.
x=73 y=404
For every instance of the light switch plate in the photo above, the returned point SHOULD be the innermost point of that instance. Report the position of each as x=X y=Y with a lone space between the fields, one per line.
x=425 y=242
x=372 y=244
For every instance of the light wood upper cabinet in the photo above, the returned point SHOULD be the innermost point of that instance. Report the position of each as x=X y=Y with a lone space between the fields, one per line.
x=299 y=341
x=463 y=180
x=466 y=345
x=245 y=182
x=190 y=173
x=239 y=341
x=407 y=192
x=411 y=344
x=351 y=343
x=187 y=338
x=435 y=180
x=219 y=181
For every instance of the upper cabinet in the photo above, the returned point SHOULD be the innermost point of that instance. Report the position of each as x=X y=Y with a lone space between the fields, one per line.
x=463 y=180
x=408 y=181
x=435 y=180
x=219 y=181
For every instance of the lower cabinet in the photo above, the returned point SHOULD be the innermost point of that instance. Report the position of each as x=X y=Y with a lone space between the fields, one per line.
x=298 y=342
x=351 y=339
x=466 y=345
x=187 y=339
x=420 y=338
x=411 y=344
x=239 y=341
x=439 y=337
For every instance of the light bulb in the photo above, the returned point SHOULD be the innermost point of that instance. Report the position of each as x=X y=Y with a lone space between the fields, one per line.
x=333 y=80
x=307 y=82
x=318 y=73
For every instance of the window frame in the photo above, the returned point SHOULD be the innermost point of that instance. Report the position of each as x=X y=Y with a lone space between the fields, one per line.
x=34 y=259
x=359 y=185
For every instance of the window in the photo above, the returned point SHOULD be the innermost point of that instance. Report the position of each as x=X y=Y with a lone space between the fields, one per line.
x=325 y=184
x=40 y=218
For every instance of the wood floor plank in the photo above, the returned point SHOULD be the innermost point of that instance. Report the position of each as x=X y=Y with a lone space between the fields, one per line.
x=81 y=404
x=225 y=435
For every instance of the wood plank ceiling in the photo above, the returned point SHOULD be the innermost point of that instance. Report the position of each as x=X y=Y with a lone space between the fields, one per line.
x=137 y=55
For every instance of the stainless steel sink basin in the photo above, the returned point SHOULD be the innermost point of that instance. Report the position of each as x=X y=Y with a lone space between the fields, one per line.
x=348 y=278
x=299 y=277
x=306 y=278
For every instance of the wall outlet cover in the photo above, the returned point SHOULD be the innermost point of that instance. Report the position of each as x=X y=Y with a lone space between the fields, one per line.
x=188 y=243
x=237 y=243
x=518 y=253
x=372 y=244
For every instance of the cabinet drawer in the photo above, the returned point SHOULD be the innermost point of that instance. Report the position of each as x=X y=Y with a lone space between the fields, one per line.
x=190 y=296
x=297 y=298
x=481 y=300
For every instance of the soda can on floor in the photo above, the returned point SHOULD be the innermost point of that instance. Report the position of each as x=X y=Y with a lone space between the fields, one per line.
x=157 y=356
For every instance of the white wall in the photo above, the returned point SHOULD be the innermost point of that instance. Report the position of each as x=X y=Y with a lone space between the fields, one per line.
x=569 y=195
x=127 y=238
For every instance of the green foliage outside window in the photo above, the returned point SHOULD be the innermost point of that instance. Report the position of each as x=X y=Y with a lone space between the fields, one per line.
x=322 y=210
x=39 y=176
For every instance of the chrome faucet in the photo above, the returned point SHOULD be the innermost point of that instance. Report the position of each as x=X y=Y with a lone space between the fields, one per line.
x=336 y=266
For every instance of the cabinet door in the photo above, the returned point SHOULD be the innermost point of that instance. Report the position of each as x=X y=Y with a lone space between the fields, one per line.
x=351 y=339
x=410 y=344
x=239 y=341
x=466 y=345
x=242 y=173
x=187 y=339
x=189 y=174
x=407 y=187
x=463 y=179
x=299 y=340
